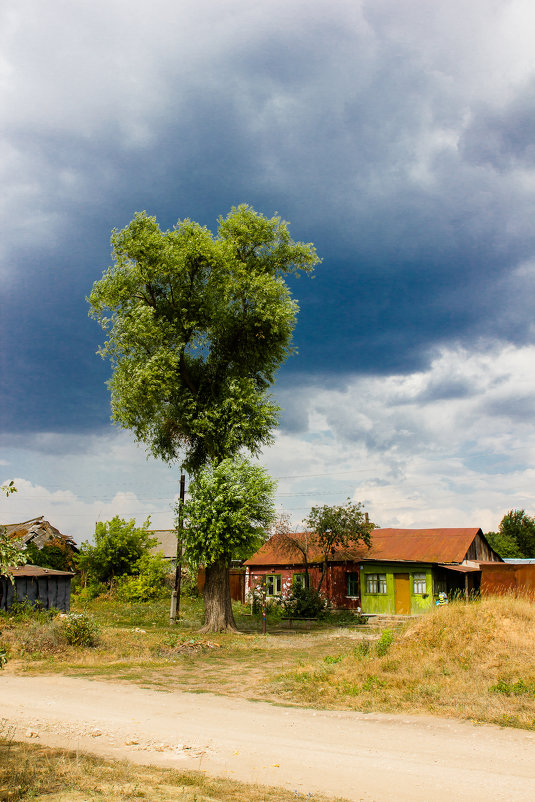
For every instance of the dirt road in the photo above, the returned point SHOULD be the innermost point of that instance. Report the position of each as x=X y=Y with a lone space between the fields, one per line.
x=357 y=756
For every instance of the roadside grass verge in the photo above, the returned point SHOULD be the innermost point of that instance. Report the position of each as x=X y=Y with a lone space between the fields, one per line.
x=28 y=771
x=137 y=644
x=473 y=661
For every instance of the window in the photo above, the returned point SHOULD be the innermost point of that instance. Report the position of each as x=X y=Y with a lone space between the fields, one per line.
x=273 y=584
x=352 y=584
x=375 y=583
x=419 y=583
x=300 y=581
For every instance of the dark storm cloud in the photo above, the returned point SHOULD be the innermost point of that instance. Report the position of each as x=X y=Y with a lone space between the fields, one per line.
x=374 y=131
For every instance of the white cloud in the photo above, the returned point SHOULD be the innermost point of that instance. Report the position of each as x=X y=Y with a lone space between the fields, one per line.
x=450 y=446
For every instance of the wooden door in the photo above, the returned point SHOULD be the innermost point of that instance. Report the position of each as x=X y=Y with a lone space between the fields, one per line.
x=403 y=594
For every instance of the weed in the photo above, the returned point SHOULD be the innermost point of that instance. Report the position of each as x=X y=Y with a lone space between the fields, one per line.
x=519 y=688
x=80 y=629
x=371 y=682
x=331 y=659
x=384 y=643
x=362 y=650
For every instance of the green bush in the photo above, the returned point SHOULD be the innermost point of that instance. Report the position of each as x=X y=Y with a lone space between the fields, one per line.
x=149 y=580
x=384 y=643
x=304 y=603
x=80 y=629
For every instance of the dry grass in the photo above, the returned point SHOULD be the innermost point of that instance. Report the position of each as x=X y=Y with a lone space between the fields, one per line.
x=32 y=772
x=474 y=661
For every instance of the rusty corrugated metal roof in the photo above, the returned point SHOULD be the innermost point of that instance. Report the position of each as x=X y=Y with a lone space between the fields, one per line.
x=38 y=531
x=440 y=545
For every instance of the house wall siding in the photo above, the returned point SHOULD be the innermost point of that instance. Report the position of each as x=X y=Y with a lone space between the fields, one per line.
x=334 y=585
x=385 y=603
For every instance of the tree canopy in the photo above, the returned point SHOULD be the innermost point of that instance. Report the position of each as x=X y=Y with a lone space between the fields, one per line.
x=12 y=552
x=197 y=326
x=335 y=527
x=227 y=517
x=515 y=536
x=118 y=547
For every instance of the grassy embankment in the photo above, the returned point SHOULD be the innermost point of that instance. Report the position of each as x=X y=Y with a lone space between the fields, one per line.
x=471 y=661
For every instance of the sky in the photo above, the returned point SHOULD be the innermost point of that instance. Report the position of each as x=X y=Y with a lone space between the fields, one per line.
x=399 y=138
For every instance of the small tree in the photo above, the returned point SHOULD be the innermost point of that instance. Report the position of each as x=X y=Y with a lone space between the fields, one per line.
x=12 y=552
x=118 y=547
x=227 y=517
x=336 y=527
x=296 y=543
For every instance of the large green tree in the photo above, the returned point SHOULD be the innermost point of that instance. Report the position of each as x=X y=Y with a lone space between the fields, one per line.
x=197 y=326
x=12 y=552
x=227 y=517
x=515 y=536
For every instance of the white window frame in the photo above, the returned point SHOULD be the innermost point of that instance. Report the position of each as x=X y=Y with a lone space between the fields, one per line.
x=419 y=583
x=376 y=584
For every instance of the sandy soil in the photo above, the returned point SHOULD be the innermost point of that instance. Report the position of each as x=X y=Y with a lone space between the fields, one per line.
x=357 y=756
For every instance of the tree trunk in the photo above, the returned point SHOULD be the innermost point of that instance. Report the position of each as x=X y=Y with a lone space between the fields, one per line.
x=218 y=615
x=323 y=571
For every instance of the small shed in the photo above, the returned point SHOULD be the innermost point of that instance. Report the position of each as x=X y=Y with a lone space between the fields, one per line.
x=47 y=586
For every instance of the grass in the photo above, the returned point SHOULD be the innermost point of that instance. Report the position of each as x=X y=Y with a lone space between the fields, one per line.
x=474 y=661
x=137 y=644
x=28 y=771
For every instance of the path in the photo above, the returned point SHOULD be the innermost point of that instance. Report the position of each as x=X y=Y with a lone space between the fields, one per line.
x=373 y=757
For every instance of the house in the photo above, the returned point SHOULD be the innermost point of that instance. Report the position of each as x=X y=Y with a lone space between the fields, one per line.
x=39 y=532
x=402 y=572
x=47 y=586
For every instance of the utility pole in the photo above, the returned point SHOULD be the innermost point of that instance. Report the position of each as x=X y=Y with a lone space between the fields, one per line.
x=174 y=613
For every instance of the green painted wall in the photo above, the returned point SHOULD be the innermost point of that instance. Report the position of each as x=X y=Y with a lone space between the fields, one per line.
x=386 y=602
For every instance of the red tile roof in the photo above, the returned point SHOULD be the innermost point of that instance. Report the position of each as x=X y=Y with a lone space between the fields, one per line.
x=391 y=545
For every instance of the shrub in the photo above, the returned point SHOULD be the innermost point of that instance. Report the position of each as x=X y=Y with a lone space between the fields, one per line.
x=384 y=643
x=149 y=580
x=80 y=629
x=304 y=603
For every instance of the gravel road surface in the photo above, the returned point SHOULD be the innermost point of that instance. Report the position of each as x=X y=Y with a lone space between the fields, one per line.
x=369 y=757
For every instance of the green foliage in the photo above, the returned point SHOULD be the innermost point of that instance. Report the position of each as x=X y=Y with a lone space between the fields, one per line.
x=147 y=582
x=12 y=552
x=228 y=513
x=197 y=327
x=384 y=643
x=336 y=527
x=26 y=610
x=519 y=688
x=55 y=554
x=515 y=536
x=80 y=629
x=304 y=602
x=118 y=547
